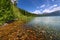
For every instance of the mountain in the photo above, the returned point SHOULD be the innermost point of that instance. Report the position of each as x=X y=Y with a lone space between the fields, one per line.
x=56 y=13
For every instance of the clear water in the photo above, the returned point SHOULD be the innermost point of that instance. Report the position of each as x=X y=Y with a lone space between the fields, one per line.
x=48 y=22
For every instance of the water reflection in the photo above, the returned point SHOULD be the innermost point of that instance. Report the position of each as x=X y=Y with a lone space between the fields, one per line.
x=46 y=21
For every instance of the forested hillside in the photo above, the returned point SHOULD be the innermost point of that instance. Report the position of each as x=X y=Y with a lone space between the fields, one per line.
x=6 y=11
x=9 y=12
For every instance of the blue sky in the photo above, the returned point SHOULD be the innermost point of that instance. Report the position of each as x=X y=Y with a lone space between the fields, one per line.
x=39 y=6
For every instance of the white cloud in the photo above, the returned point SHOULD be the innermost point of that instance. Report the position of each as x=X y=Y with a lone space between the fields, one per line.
x=56 y=8
x=37 y=12
x=48 y=10
x=42 y=6
x=53 y=6
x=51 y=10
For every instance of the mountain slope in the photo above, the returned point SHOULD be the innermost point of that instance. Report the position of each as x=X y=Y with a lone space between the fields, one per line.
x=9 y=12
x=26 y=13
x=18 y=13
x=6 y=12
x=55 y=13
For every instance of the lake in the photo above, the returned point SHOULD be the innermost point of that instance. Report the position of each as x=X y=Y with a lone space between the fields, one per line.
x=50 y=22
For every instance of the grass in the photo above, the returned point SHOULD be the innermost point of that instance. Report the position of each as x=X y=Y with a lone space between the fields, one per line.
x=19 y=14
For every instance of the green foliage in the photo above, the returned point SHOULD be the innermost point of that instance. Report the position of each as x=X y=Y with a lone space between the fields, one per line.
x=26 y=13
x=6 y=11
x=18 y=13
x=9 y=12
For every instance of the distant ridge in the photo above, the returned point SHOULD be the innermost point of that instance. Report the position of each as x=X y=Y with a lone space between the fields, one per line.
x=56 y=13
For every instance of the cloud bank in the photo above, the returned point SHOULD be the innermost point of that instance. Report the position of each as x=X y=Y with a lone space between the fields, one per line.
x=48 y=10
x=37 y=12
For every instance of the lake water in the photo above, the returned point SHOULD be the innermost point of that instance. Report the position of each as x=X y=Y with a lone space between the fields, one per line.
x=46 y=22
